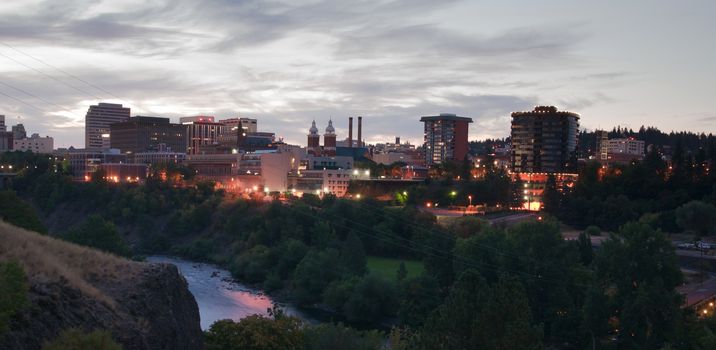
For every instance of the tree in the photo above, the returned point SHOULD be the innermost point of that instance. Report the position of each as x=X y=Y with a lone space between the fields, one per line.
x=402 y=272
x=371 y=299
x=551 y=196
x=506 y=321
x=76 y=339
x=337 y=336
x=450 y=325
x=638 y=273
x=255 y=332
x=13 y=292
x=315 y=271
x=586 y=252
x=353 y=255
x=697 y=216
x=98 y=233
x=419 y=297
x=19 y=213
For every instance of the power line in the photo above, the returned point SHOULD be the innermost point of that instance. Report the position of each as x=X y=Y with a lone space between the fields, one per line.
x=51 y=77
x=63 y=71
x=21 y=101
x=31 y=95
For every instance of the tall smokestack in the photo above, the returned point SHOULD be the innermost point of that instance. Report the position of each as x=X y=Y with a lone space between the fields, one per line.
x=360 y=131
x=350 y=131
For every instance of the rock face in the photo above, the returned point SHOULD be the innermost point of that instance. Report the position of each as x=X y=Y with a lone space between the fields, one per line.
x=144 y=306
x=153 y=310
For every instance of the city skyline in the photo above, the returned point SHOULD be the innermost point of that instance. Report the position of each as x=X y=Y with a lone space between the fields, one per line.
x=482 y=61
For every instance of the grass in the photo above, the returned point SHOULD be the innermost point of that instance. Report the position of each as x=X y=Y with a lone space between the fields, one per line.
x=388 y=267
x=46 y=259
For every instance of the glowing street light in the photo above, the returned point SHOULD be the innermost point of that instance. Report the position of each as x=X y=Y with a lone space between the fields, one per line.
x=470 y=199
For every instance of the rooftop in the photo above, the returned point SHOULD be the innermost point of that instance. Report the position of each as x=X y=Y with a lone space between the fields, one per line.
x=445 y=116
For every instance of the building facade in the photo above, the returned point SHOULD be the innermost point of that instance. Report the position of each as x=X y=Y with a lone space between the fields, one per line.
x=161 y=157
x=445 y=138
x=35 y=144
x=142 y=134
x=84 y=162
x=98 y=121
x=201 y=132
x=544 y=140
x=18 y=132
x=629 y=146
x=5 y=136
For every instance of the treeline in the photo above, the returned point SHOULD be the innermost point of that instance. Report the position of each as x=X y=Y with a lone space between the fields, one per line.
x=650 y=191
x=690 y=142
x=518 y=288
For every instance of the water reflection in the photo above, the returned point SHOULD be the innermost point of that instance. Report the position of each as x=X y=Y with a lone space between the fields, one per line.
x=217 y=296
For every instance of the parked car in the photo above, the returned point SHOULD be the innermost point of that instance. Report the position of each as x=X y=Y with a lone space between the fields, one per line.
x=686 y=246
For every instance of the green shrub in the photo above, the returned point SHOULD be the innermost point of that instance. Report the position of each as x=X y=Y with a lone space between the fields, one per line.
x=98 y=233
x=255 y=333
x=593 y=231
x=19 y=213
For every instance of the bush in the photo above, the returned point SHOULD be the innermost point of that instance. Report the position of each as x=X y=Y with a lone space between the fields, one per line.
x=697 y=216
x=372 y=299
x=19 y=213
x=75 y=339
x=593 y=231
x=13 y=292
x=337 y=336
x=255 y=333
x=98 y=233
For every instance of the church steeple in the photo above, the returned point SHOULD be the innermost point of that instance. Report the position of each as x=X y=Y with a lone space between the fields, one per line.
x=314 y=147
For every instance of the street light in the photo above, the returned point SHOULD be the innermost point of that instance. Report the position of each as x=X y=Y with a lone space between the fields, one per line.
x=470 y=198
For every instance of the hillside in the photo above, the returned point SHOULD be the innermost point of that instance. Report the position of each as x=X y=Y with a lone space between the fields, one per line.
x=144 y=306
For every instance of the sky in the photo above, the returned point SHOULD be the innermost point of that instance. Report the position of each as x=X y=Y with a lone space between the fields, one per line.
x=286 y=63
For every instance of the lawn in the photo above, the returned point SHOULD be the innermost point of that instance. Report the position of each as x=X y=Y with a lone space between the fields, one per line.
x=388 y=267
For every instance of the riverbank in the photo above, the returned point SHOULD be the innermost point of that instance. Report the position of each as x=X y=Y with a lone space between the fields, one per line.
x=220 y=296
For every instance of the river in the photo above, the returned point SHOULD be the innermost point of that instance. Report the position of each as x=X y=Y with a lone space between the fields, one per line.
x=219 y=297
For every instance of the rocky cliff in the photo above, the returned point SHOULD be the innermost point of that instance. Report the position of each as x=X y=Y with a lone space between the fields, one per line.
x=144 y=306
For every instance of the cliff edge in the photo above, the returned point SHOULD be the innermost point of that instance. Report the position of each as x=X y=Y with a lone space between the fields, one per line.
x=144 y=306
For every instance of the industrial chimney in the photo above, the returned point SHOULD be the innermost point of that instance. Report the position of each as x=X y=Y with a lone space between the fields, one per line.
x=350 y=132
x=360 y=131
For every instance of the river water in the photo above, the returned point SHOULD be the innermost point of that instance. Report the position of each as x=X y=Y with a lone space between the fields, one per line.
x=219 y=297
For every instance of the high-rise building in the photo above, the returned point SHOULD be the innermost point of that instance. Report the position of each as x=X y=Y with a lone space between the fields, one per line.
x=602 y=146
x=445 y=138
x=141 y=134
x=237 y=132
x=98 y=120
x=18 y=132
x=202 y=132
x=544 y=141
x=2 y=123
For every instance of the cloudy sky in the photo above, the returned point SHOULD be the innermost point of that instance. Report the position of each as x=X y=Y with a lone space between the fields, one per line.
x=287 y=62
